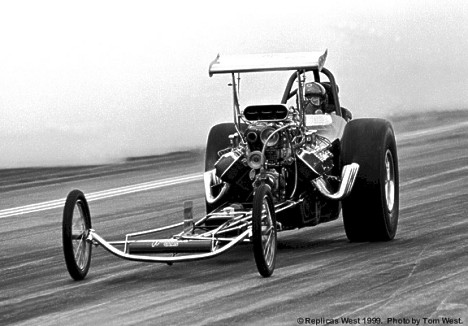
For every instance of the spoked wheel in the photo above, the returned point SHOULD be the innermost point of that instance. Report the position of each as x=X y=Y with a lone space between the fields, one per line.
x=75 y=229
x=264 y=231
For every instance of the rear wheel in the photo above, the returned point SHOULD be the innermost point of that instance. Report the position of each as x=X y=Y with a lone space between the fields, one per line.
x=218 y=139
x=370 y=212
x=75 y=229
x=264 y=231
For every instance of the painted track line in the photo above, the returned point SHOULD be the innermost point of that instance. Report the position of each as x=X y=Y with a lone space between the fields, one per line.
x=410 y=135
x=99 y=195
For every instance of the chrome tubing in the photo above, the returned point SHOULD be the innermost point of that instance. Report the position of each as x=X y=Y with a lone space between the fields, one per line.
x=348 y=176
x=94 y=237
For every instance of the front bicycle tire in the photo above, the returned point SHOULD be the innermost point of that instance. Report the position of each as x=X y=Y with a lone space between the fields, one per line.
x=76 y=224
x=264 y=234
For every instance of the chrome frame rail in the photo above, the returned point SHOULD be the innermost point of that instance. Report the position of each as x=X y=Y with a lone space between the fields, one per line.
x=240 y=220
x=94 y=237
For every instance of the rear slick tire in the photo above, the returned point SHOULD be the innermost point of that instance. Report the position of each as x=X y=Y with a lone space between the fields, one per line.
x=76 y=224
x=370 y=212
x=264 y=231
x=218 y=139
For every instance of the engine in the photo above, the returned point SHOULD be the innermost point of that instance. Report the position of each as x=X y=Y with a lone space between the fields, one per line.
x=277 y=152
x=315 y=157
x=278 y=148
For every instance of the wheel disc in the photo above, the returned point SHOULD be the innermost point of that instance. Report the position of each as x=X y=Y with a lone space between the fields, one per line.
x=389 y=181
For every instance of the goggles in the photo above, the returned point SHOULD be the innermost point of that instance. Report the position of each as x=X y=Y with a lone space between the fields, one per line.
x=317 y=101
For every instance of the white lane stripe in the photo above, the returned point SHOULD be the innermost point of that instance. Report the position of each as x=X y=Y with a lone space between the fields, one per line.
x=432 y=176
x=98 y=195
x=431 y=131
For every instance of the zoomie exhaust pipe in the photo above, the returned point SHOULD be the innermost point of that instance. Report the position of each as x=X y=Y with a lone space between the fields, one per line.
x=348 y=176
x=209 y=179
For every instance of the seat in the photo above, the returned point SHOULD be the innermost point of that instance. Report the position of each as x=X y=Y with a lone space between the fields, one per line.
x=331 y=99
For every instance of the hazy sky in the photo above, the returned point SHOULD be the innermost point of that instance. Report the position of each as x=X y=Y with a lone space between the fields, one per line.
x=94 y=81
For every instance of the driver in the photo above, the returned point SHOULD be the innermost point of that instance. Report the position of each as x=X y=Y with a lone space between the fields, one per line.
x=315 y=98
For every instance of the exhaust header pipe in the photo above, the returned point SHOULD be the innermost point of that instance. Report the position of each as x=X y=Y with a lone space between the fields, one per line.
x=348 y=176
x=210 y=179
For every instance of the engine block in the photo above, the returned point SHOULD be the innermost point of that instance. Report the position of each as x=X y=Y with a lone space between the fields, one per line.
x=315 y=159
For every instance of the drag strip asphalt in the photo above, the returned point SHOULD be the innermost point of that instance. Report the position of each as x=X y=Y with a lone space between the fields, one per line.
x=421 y=276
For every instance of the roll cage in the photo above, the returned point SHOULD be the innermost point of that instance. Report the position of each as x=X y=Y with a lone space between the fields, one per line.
x=299 y=62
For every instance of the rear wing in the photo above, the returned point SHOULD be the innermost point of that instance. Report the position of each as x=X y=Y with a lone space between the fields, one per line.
x=268 y=62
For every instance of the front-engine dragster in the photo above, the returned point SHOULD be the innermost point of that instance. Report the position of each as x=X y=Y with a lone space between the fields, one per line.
x=290 y=164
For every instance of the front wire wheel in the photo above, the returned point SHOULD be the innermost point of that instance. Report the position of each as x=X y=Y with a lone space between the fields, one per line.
x=264 y=231
x=76 y=224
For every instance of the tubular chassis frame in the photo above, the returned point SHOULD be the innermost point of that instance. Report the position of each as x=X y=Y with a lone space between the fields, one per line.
x=238 y=221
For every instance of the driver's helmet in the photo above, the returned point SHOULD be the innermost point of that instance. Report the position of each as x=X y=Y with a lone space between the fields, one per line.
x=315 y=98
